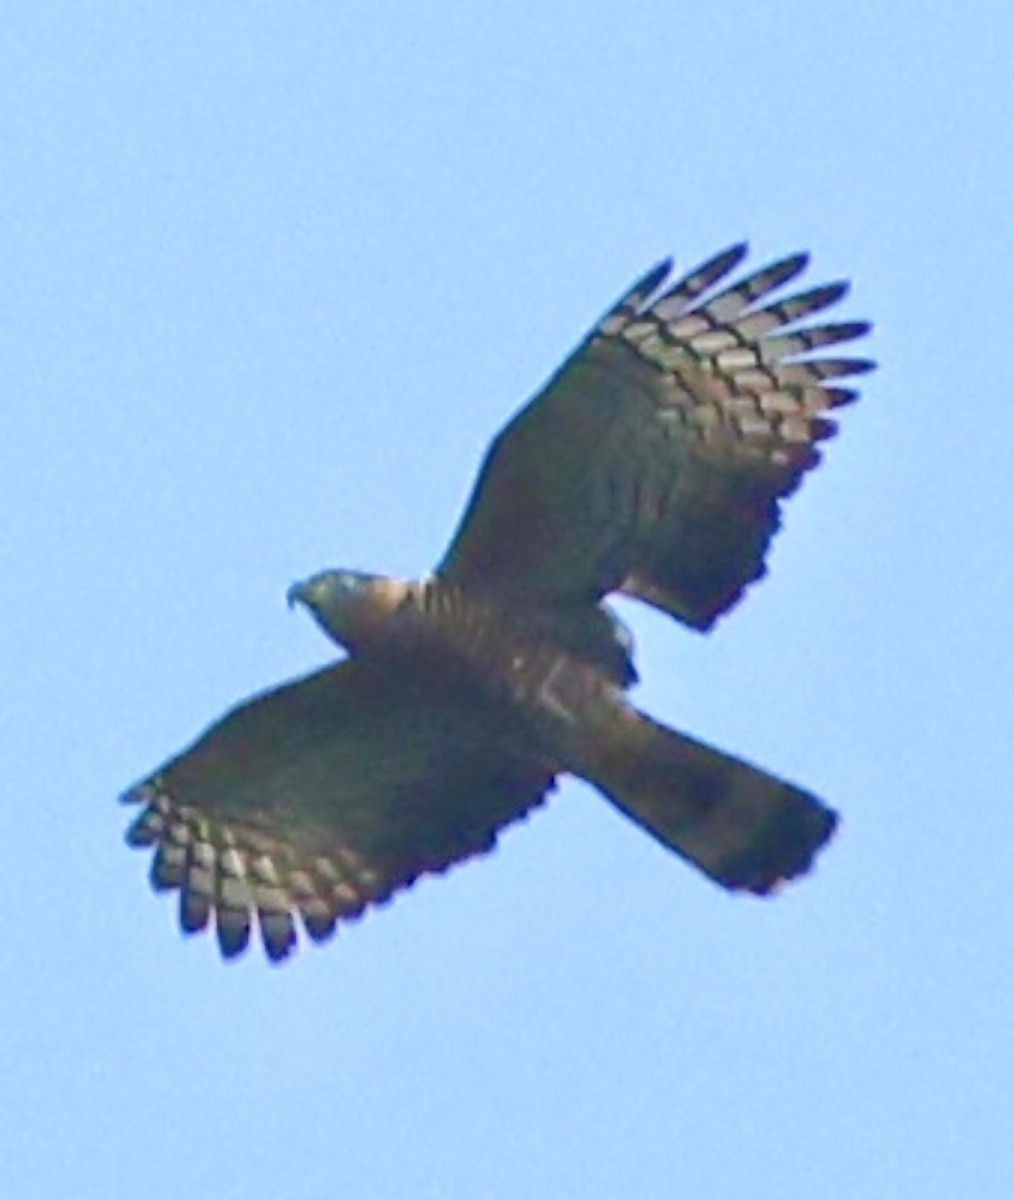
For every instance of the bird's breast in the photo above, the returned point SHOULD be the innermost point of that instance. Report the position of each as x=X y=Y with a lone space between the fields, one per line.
x=464 y=637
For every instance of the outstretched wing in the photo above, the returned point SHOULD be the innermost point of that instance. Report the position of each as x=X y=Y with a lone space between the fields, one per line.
x=325 y=796
x=654 y=460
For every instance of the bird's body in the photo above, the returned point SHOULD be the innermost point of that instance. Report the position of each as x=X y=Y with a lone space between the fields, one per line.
x=651 y=464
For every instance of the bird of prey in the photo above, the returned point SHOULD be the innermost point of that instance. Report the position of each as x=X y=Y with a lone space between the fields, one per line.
x=651 y=465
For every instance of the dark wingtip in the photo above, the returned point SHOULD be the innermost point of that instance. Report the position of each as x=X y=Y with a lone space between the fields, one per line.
x=831 y=293
x=724 y=261
x=232 y=931
x=849 y=331
x=653 y=277
x=137 y=793
x=784 y=269
x=278 y=933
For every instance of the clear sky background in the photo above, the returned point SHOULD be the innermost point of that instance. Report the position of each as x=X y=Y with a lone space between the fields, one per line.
x=271 y=276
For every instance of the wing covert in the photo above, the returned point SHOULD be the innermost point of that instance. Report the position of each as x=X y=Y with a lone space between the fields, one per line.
x=324 y=796
x=654 y=461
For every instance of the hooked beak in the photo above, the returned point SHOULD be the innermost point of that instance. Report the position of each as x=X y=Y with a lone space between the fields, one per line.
x=296 y=595
x=311 y=592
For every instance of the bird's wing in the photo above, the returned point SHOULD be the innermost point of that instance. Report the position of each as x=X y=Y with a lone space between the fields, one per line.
x=653 y=462
x=325 y=796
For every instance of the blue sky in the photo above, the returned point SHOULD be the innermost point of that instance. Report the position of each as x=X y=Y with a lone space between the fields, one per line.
x=271 y=276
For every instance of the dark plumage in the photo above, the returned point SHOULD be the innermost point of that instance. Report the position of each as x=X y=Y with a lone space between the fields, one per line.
x=652 y=464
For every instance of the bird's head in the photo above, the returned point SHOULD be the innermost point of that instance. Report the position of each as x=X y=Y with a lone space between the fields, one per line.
x=350 y=606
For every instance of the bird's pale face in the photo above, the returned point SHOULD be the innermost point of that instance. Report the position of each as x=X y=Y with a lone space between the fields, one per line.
x=350 y=606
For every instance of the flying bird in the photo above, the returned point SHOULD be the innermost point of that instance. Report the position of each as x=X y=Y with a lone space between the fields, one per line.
x=651 y=465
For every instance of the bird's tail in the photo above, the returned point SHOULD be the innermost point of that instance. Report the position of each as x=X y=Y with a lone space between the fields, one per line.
x=739 y=825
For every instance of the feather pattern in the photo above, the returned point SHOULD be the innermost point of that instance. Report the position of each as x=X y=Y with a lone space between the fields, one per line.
x=654 y=461
x=315 y=801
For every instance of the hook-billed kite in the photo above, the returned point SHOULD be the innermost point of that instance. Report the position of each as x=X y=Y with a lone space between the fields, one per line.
x=651 y=465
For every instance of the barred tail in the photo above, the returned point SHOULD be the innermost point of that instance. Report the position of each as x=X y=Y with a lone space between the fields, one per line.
x=739 y=825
